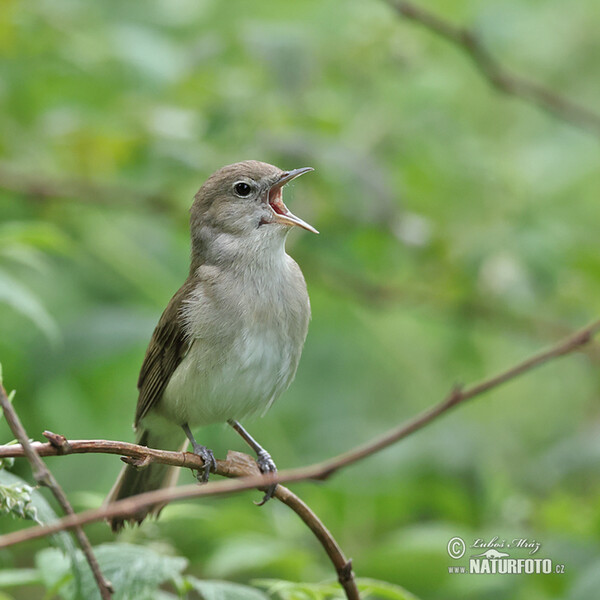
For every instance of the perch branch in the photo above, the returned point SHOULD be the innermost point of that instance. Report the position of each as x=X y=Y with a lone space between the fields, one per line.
x=499 y=77
x=44 y=476
x=237 y=465
x=130 y=506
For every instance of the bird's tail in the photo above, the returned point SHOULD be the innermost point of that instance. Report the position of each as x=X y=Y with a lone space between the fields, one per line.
x=133 y=480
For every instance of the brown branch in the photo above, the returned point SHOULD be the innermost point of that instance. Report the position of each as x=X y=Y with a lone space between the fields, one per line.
x=499 y=77
x=458 y=396
x=342 y=566
x=44 y=476
x=237 y=465
x=130 y=506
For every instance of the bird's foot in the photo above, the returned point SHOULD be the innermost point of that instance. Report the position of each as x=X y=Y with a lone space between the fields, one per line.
x=210 y=463
x=266 y=465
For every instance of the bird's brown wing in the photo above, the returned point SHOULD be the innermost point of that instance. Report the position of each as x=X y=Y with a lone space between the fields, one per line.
x=167 y=347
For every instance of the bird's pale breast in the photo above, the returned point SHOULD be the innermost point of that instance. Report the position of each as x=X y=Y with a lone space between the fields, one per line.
x=246 y=339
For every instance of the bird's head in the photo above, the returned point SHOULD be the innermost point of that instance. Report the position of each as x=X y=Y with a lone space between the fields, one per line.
x=245 y=200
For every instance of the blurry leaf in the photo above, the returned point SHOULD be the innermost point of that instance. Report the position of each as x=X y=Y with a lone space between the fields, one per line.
x=44 y=513
x=135 y=571
x=17 y=296
x=54 y=568
x=149 y=52
x=24 y=256
x=372 y=588
x=44 y=236
x=162 y=595
x=292 y=590
x=7 y=462
x=14 y=577
x=368 y=588
x=587 y=584
x=223 y=590
x=243 y=553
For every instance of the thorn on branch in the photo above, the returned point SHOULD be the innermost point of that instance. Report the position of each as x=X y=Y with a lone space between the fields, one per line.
x=345 y=573
x=42 y=477
x=138 y=463
x=455 y=395
x=584 y=338
x=325 y=474
x=58 y=441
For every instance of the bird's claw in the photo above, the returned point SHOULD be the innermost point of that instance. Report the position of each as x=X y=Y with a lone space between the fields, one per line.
x=266 y=465
x=210 y=463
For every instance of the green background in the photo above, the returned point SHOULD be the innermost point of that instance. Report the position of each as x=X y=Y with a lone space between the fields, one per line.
x=459 y=234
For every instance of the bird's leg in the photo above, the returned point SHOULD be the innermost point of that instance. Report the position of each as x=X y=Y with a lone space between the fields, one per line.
x=263 y=458
x=210 y=464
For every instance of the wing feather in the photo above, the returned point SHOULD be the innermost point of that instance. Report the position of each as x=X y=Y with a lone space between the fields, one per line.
x=168 y=345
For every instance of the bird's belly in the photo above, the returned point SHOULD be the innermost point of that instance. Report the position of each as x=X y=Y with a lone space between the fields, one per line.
x=207 y=388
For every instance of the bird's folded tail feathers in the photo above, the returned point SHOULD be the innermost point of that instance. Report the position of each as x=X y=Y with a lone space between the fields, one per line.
x=133 y=480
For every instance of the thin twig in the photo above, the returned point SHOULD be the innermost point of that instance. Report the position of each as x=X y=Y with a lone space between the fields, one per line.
x=44 y=476
x=131 y=506
x=458 y=396
x=499 y=77
x=342 y=566
x=239 y=465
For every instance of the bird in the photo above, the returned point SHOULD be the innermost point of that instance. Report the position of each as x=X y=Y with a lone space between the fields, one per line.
x=229 y=342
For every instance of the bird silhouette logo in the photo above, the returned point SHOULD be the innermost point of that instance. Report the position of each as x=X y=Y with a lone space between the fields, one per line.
x=491 y=554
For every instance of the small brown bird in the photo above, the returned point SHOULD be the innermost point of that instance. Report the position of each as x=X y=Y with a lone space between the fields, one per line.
x=229 y=342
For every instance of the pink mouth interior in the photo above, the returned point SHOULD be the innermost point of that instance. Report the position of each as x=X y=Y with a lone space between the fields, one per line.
x=276 y=202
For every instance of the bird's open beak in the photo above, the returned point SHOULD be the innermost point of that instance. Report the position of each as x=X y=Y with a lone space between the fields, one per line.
x=281 y=213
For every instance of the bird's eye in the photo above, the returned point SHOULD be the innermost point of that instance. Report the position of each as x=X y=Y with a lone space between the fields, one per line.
x=242 y=189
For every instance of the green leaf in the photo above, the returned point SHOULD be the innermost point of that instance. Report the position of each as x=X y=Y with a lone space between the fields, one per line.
x=135 y=572
x=373 y=588
x=243 y=552
x=15 y=577
x=54 y=568
x=292 y=590
x=45 y=236
x=44 y=512
x=17 y=296
x=223 y=590
x=6 y=597
x=7 y=462
x=368 y=588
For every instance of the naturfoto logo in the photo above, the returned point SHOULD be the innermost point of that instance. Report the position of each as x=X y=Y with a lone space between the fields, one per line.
x=496 y=558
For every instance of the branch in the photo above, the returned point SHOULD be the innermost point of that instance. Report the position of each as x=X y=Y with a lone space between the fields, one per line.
x=130 y=506
x=43 y=476
x=237 y=465
x=459 y=396
x=499 y=77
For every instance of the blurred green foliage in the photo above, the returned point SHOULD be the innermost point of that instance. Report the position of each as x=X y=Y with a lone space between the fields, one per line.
x=459 y=233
